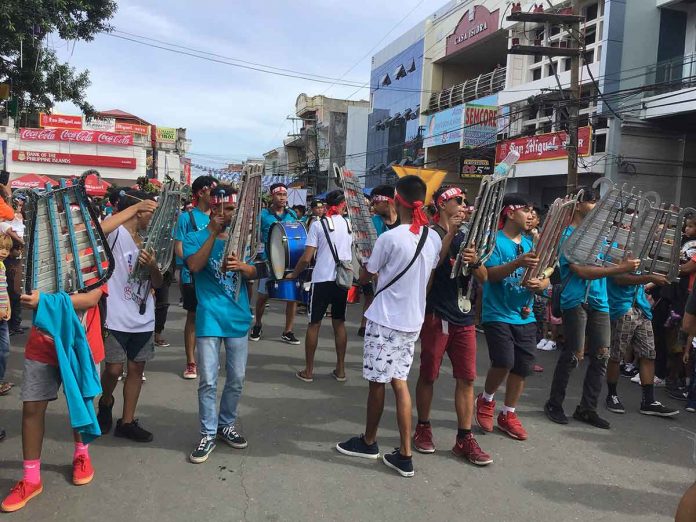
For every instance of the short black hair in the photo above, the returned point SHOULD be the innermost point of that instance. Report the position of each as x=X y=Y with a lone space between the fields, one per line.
x=334 y=198
x=275 y=186
x=301 y=208
x=515 y=199
x=202 y=182
x=411 y=188
x=383 y=190
x=588 y=194
x=132 y=197
x=115 y=196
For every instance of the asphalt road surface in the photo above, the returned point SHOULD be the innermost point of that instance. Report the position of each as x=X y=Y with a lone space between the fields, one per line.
x=636 y=471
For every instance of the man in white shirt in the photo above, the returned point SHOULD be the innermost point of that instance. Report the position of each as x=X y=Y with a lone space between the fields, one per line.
x=325 y=291
x=404 y=258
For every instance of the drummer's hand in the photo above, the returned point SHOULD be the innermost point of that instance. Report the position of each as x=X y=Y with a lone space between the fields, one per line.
x=535 y=284
x=232 y=264
x=147 y=259
x=30 y=301
x=469 y=256
x=217 y=224
x=146 y=205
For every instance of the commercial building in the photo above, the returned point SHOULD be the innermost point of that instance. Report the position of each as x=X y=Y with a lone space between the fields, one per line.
x=121 y=146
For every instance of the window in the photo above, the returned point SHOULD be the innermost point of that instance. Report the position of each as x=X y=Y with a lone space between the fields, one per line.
x=536 y=74
x=591 y=35
x=591 y=12
x=600 y=143
x=566 y=64
x=589 y=56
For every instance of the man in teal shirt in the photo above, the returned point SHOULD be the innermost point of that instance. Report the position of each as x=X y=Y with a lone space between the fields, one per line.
x=222 y=318
x=277 y=212
x=192 y=221
x=585 y=307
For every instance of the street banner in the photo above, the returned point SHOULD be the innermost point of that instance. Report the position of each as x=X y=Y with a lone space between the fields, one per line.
x=166 y=135
x=132 y=128
x=544 y=147
x=100 y=124
x=443 y=127
x=480 y=126
x=60 y=121
x=76 y=136
x=90 y=160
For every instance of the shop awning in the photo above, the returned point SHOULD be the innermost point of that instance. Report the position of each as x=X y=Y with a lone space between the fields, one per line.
x=31 y=181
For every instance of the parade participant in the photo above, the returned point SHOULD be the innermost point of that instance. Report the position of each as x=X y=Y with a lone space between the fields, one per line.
x=13 y=265
x=632 y=334
x=585 y=307
x=385 y=218
x=300 y=212
x=447 y=329
x=130 y=314
x=328 y=238
x=507 y=317
x=318 y=210
x=190 y=221
x=404 y=258
x=5 y=313
x=221 y=319
x=278 y=212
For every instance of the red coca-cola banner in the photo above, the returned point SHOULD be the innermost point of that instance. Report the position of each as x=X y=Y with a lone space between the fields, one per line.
x=545 y=147
x=56 y=158
x=76 y=136
x=60 y=121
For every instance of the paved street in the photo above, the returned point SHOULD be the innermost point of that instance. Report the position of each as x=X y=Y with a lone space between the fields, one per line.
x=637 y=471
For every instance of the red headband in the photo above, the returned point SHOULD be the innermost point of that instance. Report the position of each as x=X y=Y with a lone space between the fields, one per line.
x=279 y=189
x=215 y=200
x=379 y=199
x=449 y=194
x=419 y=218
x=513 y=208
x=336 y=210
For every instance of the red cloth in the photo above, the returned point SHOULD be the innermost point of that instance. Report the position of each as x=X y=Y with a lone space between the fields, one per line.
x=40 y=347
x=336 y=210
x=418 y=219
x=501 y=219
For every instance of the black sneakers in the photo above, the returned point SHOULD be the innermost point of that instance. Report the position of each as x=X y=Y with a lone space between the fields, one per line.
x=361 y=331
x=658 y=410
x=554 y=414
x=590 y=417
x=104 y=417
x=614 y=404
x=255 y=333
x=289 y=338
x=230 y=436
x=357 y=447
x=402 y=465
x=132 y=431
x=203 y=450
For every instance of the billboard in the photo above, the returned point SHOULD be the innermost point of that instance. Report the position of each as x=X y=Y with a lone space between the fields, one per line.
x=444 y=127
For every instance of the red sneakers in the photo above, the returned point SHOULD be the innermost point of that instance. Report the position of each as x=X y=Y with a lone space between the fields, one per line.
x=19 y=495
x=423 y=439
x=484 y=413
x=510 y=424
x=470 y=450
x=83 y=472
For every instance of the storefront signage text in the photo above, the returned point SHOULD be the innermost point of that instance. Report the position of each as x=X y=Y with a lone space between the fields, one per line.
x=476 y=24
x=543 y=147
x=76 y=136
x=55 y=158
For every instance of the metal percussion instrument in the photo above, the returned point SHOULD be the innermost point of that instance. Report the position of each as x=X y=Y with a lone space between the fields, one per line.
x=65 y=248
x=484 y=223
x=285 y=290
x=286 y=244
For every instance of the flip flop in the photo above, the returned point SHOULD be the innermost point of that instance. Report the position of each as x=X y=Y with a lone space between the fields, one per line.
x=5 y=388
x=335 y=376
x=300 y=375
x=162 y=344
x=537 y=368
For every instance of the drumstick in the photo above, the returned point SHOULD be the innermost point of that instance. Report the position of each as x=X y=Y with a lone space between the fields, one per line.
x=123 y=194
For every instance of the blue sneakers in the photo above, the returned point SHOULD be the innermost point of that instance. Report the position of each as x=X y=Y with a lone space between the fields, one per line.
x=357 y=447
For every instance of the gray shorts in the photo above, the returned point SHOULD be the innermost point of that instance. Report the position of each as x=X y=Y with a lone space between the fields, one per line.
x=133 y=346
x=632 y=332
x=40 y=382
x=263 y=283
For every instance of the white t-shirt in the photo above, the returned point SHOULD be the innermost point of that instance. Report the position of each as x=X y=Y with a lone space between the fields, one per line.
x=17 y=224
x=325 y=266
x=123 y=302
x=402 y=305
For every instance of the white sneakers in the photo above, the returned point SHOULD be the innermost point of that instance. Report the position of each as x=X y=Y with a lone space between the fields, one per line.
x=546 y=345
x=657 y=382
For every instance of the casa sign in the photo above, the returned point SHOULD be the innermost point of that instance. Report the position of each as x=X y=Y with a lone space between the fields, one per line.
x=476 y=24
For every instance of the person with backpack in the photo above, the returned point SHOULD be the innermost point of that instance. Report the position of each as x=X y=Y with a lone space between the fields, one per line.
x=330 y=240
x=404 y=258
x=190 y=221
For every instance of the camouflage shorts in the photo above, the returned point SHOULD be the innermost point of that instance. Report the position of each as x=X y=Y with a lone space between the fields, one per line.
x=632 y=332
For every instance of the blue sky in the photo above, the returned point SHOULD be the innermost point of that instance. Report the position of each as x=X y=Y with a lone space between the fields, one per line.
x=232 y=113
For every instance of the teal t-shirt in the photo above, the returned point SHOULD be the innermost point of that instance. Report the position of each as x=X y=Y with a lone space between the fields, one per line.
x=503 y=301
x=184 y=226
x=266 y=220
x=576 y=288
x=218 y=313
x=622 y=298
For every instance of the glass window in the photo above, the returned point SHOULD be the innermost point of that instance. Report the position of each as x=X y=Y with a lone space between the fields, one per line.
x=536 y=74
x=591 y=11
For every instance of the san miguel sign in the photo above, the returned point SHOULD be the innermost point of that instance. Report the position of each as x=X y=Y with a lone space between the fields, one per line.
x=76 y=136
x=544 y=147
x=476 y=24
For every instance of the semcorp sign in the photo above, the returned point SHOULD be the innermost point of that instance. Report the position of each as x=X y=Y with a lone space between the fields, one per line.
x=476 y=24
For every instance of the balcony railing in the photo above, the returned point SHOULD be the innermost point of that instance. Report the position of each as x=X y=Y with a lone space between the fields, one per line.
x=671 y=75
x=473 y=89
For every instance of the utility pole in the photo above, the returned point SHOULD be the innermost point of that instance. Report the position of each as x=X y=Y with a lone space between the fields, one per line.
x=569 y=18
x=316 y=158
x=573 y=107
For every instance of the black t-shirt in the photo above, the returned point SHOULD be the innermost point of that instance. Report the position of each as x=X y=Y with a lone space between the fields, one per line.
x=443 y=297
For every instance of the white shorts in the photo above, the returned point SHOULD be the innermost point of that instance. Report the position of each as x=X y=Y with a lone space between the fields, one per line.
x=387 y=354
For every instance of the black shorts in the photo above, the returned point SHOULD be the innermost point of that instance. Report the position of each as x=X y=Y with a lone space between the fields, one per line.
x=188 y=295
x=691 y=303
x=368 y=290
x=323 y=295
x=511 y=346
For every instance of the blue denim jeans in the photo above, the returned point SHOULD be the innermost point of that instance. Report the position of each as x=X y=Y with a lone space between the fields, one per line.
x=4 y=348
x=208 y=351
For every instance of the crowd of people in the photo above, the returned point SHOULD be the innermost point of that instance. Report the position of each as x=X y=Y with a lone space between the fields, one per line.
x=619 y=320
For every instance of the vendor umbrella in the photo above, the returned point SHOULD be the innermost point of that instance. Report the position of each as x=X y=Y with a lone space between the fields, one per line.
x=95 y=186
x=31 y=181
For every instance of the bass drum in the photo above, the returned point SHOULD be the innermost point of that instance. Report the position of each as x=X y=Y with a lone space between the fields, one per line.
x=286 y=244
x=285 y=290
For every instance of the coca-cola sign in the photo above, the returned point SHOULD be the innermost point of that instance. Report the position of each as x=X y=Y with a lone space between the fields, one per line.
x=77 y=136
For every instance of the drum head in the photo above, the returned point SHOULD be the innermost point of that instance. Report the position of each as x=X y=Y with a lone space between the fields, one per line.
x=277 y=250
